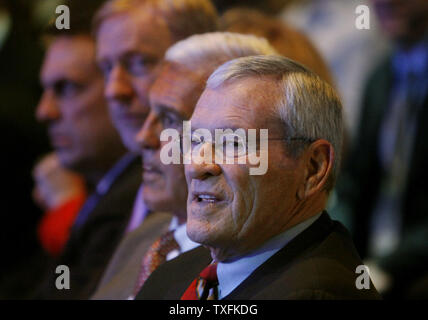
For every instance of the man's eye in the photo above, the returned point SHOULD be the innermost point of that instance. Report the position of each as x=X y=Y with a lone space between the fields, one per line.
x=169 y=122
x=198 y=142
x=138 y=65
x=66 y=89
x=236 y=146
x=106 y=68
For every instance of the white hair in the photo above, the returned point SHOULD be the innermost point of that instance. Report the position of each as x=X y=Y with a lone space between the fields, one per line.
x=308 y=107
x=212 y=49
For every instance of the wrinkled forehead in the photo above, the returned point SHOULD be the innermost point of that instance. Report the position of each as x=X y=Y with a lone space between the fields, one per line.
x=176 y=87
x=245 y=103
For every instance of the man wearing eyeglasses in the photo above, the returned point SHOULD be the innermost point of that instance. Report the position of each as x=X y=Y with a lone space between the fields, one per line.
x=268 y=234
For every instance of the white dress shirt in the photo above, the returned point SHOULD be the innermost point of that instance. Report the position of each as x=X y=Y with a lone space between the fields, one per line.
x=182 y=239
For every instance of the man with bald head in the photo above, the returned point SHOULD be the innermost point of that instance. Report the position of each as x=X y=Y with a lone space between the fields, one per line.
x=268 y=232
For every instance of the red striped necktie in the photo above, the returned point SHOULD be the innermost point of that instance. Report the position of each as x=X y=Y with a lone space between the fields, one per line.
x=205 y=286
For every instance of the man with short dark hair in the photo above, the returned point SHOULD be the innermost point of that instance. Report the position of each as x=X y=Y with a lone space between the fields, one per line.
x=85 y=140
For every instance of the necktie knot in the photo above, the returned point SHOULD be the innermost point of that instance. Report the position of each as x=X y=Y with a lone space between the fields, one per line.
x=209 y=274
x=161 y=247
x=205 y=286
x=155 y=256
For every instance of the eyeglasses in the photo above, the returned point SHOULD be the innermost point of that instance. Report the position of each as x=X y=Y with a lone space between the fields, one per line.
x=229 y=145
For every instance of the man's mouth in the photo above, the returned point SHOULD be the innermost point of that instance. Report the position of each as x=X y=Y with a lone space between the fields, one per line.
x=151 y=173
x=206 y=197
x=150 y=168
x=59 y=140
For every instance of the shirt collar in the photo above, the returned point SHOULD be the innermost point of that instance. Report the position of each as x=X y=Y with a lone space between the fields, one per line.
x=180 y=235
x=231 y=274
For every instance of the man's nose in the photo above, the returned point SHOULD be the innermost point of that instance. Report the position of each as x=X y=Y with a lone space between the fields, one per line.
x=118 y=85
x=200 y=167
x=148 y=136
x=47 y=109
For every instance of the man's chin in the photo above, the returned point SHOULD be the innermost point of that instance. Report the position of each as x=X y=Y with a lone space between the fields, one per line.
x=155 y=202
x=67 y=160
x=198 y=232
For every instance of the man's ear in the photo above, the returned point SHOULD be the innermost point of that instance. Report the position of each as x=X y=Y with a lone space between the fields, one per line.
x=319 y=161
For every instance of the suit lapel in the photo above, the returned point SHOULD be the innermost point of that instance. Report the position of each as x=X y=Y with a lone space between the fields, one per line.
x=193 y=263
x=280 y=261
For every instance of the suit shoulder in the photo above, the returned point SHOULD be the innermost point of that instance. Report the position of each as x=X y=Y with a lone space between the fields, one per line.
x=326 y=271
x=316 y=265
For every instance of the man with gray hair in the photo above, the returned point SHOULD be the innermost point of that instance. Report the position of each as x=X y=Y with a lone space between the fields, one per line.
x=173 y=96
x=269 y=235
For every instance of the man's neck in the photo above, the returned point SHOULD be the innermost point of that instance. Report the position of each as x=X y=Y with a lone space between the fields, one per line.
x=306 y=209
x=181 y=215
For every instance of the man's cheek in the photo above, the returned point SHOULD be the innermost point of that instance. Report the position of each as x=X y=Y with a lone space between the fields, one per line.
x=142 y=87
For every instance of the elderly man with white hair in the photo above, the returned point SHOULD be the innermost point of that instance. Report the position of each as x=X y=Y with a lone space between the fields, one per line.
x=269 y=234
x=173 y=96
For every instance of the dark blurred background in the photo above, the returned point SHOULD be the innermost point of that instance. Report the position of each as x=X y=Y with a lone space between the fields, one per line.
x=23 y=139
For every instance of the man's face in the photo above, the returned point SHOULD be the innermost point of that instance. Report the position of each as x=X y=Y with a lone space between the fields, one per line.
x=172 y=99
x=402 y=19
x=129 y=49
x=73 y=105
x=229 y=210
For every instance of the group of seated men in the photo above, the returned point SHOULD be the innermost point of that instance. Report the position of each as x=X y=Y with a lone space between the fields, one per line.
x=208 y=157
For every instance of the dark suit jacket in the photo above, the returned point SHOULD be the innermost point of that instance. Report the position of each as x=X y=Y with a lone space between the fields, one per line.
x=363 y=174
x=91 y=246
x=319 y=263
